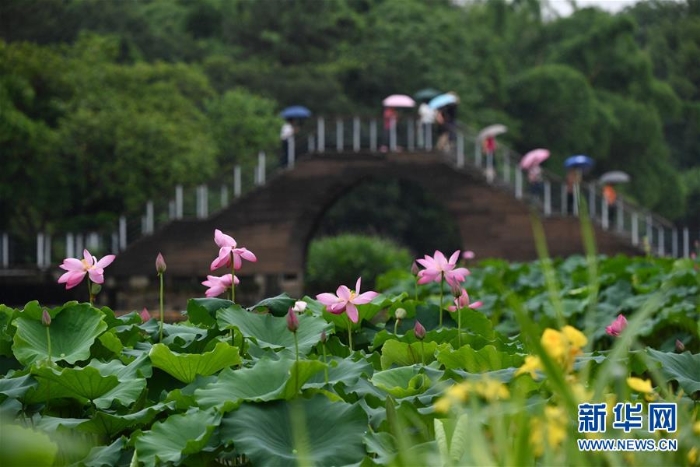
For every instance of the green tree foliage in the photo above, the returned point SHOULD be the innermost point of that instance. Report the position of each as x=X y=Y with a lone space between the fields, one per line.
x=341 y=260
x=95 y=123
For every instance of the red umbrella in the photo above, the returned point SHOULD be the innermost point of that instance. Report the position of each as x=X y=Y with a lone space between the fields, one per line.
x=533 y=158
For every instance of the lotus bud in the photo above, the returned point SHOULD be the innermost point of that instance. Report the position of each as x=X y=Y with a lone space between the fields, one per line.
x=469 y=254
x=145 y=315
x=400 y=313
x=45 y=318
x=419 y=331
x=160 y=264
x=414 y=268
x=299 y=306
x=292 y=320
x=456 y=290
x=680 y=346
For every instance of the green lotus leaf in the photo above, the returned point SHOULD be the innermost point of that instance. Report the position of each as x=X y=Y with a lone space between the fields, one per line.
x=270 y=331
x=202 y=311
x=109 y=425
x=402 y=382
x=103 y=384
x=101 y=456
x=344 y=371
x=679 y=367
x=179 y=435
x=312 y=431
x=73 y=331
x=277 y=306
x=485 y=359
x=186 y=367
x=267 y=380
x=16 y=387
x=403 y=354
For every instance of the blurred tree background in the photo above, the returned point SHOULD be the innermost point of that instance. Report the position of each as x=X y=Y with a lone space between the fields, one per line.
x=107 y=103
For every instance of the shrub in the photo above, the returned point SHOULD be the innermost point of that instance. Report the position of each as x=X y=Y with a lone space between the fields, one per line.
x=339 y=260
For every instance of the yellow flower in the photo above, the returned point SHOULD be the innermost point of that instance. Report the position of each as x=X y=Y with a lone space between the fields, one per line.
x=443 y=405
x=693 y=455
x=555 y=344
x=553 y=427
x=580 y=392
x=696 y=428
x=640 y=385
x=531 y=365
x=491 y=389
x=576 y=338
x=458 y=392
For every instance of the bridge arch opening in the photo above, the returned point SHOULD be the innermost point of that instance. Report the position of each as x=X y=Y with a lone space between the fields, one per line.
x=396 y=209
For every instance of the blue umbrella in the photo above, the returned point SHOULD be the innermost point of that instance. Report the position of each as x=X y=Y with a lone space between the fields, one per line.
x=579 y=162
x=295 y=111
x=442 y=100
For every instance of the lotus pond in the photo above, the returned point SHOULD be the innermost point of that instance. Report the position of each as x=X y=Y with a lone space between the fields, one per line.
x=288 y=382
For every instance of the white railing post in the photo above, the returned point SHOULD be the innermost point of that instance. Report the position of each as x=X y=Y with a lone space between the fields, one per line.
x=237 y=181
x=518 y=183
x=662 y=247
x=635 y=229
x=547 y=198
x=5 y=250
x=356 y=134
x=202 y=202
x=460 y=150
x=261 y=163
x=373 y=135
x=339 y=136
x=291 y=153
x=686 y=243
x=321 y=131
x=70 y=246
x=674 y=243
x=150 y=221
x=649 y=232
x=604 y=214
x=122 y=233
x=620 y=215
x=410 y=126
x=40 y=250
x=179 y=210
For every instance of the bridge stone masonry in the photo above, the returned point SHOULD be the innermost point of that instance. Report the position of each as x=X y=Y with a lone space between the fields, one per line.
x=278 y=221
x=279 y=216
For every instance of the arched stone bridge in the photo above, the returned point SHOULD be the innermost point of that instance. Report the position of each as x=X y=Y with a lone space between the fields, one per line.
x=276 y=221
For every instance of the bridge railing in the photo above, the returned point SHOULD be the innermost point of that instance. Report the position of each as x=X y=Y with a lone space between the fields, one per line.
x=353 y=134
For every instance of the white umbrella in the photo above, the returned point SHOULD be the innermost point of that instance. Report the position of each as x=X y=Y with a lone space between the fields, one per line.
x=616 y=176
x=492 y=130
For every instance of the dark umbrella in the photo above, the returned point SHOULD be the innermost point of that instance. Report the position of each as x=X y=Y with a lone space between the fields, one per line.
x=580 y=161
x=295 y=111
x=426 y=94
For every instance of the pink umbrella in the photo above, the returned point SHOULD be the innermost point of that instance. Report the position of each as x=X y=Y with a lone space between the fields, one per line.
x=398 y=100
x=533 y=158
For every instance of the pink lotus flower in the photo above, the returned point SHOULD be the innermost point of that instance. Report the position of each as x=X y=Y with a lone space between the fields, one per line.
x=228 y=248
x=77 y=268
x=218 y=285
x=617 y=326
x=346 y=300
x=462 y=301
x=437 y=267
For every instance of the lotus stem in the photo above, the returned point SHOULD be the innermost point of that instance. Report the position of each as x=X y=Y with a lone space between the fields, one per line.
x=233 y=280
x=160 y=339
x=349 y=333
x=442 y=286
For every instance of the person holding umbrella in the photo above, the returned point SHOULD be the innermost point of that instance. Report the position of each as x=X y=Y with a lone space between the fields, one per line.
x=609 y=179
x=291 y=115
x=575 y=166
